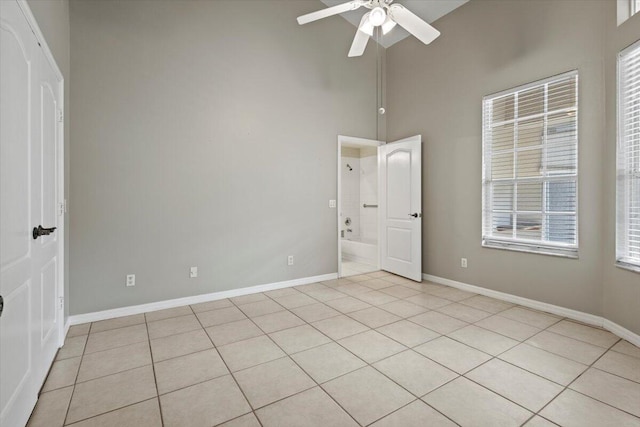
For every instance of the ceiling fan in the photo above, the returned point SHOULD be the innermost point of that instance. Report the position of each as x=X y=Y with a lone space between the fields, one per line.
x=383 y=14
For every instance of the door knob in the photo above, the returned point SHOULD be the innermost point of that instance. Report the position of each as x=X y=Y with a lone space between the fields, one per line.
x=41 y=231
x=416 y=215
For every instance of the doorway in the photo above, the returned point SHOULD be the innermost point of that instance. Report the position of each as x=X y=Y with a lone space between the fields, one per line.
x=380 y=206
x=358 y=249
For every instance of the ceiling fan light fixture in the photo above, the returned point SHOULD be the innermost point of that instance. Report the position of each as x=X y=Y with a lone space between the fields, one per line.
x=377 y=16
x=366 y=26
x=388 y=25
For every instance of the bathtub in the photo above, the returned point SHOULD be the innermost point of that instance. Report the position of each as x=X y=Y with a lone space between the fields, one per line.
x=360 y=250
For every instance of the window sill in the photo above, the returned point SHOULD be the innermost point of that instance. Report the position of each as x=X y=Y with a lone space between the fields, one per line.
x=627 y=266
x=571 y=253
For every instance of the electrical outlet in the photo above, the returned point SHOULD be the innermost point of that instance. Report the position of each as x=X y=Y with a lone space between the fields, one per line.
x=193 y=272
x=463 y=262
x=332 y=204
x=290 y=260
x=131 y=280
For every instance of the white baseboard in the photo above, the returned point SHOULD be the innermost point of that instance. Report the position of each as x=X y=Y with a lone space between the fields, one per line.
x=542 y=306
x=621 y=332
x=161 y=305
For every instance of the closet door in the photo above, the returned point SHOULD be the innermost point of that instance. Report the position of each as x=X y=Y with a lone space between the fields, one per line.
x=29 y=145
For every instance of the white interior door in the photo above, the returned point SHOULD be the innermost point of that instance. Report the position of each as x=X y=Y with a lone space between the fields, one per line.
x=400 y=175
x=29 y=137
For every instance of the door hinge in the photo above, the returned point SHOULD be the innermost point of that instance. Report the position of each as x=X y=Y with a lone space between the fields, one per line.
x=60 y=116
x=61 y=302
x=62 y=207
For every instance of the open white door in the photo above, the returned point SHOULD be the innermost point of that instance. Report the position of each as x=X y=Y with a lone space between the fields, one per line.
x=400 y=175
x=30 y=257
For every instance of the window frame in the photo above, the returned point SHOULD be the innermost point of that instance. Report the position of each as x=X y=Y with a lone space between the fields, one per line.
x=622 y=229
x=522 y=245
x=626 y=9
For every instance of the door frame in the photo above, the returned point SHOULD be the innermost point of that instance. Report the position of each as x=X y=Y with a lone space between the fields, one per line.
x=61 y=206
x=343 y=139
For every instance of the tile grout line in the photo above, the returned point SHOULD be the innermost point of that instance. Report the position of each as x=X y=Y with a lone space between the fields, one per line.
x=305 y=372
x=565 y=387
x=611 y=373
x=73 y=391
x=153 y=368
x=411 y=403
x=420 y=398
x=181 y=355
x=230 y=372
x=370 y=365
x=591 y=366
x=496 y=357
x=407 y=348
x=110 y=411
x=367 y=364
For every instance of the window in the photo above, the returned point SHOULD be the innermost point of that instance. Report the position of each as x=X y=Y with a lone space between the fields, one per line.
x=530 y=167
x=626 y=9
x=628 y=153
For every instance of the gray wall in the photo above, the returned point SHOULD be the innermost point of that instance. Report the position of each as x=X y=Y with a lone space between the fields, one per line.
x=621 y=291
x=485 y=47
x=205 y=134
x=53 y=19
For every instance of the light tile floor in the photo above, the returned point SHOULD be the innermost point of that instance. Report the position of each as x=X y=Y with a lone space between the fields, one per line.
x=352 y=268
x=372 y=349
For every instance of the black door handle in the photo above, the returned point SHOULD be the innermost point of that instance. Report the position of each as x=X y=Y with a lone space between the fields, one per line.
x=416 y=215
x=40 y=231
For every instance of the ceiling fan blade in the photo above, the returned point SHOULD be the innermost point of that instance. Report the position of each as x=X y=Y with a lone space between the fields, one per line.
x=330 y=11
x=413 y=23
x=360 y=40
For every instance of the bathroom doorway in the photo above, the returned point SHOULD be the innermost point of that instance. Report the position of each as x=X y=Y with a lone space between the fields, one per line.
x=358 y=250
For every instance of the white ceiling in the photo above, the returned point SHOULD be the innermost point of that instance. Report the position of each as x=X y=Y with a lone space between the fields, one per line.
x=429 y=10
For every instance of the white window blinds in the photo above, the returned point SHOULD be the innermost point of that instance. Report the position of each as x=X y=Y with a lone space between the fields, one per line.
x=530 y=167
x=628 y=184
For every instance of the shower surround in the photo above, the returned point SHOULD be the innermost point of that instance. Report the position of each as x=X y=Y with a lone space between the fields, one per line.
x=359 y=224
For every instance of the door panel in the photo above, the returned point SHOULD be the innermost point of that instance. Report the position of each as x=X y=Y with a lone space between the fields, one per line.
x=400 y=176
x=15 y=80
x=17 y=385
x=48 y=305
x=399 y=244
x=48 y=108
